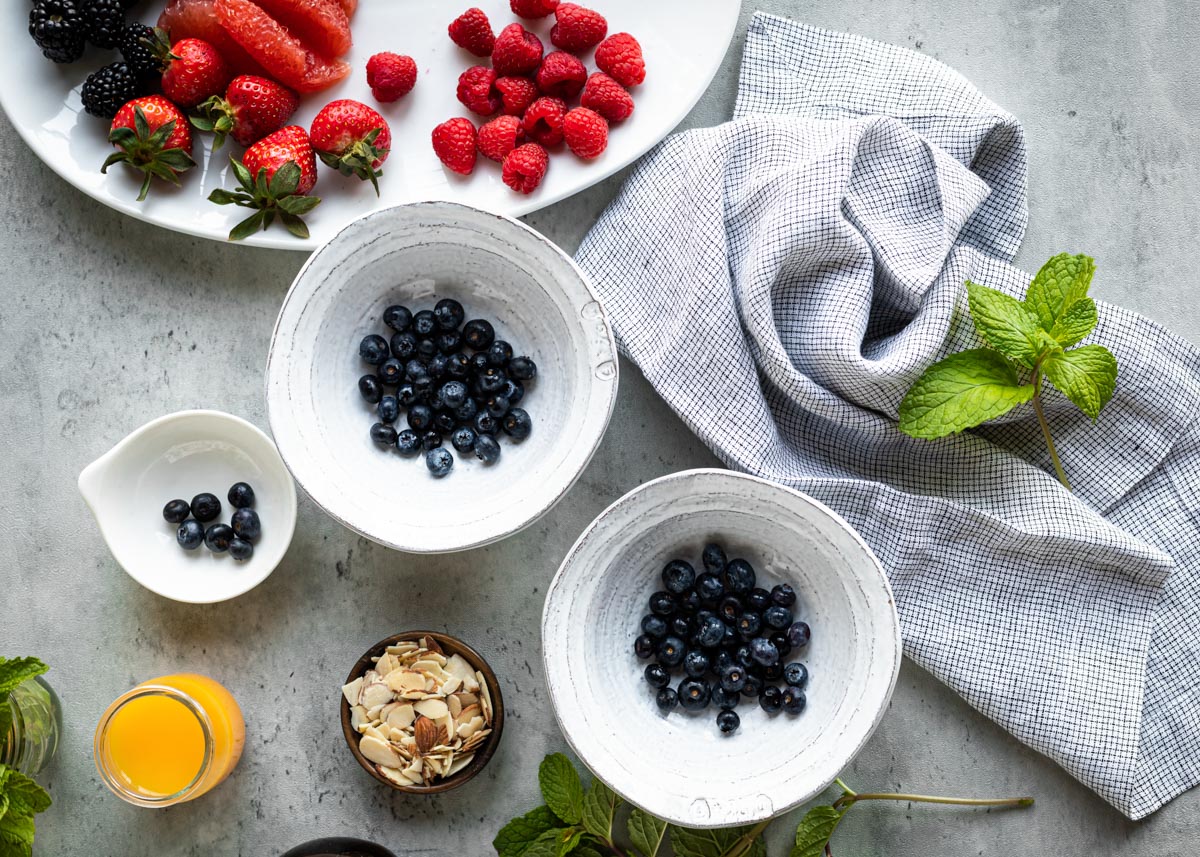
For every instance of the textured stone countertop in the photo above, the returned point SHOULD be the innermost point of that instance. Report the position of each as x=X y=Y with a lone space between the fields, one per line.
x=106 y=322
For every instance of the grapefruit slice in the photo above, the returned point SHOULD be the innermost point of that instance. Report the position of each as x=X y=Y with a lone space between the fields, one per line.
x=197 y=19
x=283 y=55
x=320 y=24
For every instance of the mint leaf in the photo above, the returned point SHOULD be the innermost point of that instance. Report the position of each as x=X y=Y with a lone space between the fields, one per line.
x=586 y=850
x=960 y=392
x=646 y=832
x=561 y=788
x=554 y=843
x=25 y=797
x=20 y=799
x=514 y=838
x=14 y=672
x=1006 y=324
x=599 y=806
x=711 y=843
x=16 y=835
x=1087 y=376
x=815 y=831
x=1061 y=282
x=1076 y=323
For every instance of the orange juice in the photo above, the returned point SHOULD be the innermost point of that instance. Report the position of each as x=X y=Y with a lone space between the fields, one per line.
x=169 y=740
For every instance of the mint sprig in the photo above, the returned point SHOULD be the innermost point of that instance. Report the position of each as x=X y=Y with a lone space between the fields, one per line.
x=20 y=797
x=1027 y=345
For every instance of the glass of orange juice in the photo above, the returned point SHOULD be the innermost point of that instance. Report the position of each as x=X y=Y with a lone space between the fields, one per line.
x=169 y=740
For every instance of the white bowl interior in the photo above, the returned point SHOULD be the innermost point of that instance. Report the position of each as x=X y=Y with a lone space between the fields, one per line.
x=679 y=766
x=499 y=270
x=178 y=457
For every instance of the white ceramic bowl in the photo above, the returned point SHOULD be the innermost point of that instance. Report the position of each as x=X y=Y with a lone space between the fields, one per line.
x=177 y=457
x=415 y=255
x=679 y=766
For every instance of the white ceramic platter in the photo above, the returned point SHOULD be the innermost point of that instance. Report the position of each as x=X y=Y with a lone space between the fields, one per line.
x=684 y=42
x=679 y=766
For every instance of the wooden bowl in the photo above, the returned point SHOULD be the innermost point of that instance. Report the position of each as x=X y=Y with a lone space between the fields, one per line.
x=451 y=646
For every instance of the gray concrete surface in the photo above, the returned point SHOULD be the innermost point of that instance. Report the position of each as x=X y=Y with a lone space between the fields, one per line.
x=106 y=322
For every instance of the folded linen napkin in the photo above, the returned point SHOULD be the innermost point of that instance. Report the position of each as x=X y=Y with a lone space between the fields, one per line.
x=783 y=279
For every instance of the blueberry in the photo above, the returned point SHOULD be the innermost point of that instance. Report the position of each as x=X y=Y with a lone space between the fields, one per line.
x=491 y=380
x=730 y=640
x=733 y=678
x=449 y=342
x=420 y=417
x=373 y=349
x=370 y=388
x=758 y=600
x=780 y=642
x=240 y=496
x=723 y=659
x=437 y=366
x=709 y=588
x=796 y=674
x=728 y=722
x=453 y=394
x=798 y=635
x=485 y=423
x=748 y=625
x=645 y=646
x=423 y=386
x=694 y=694
x=695 y=663
x=662 y=604
x=754 y=686
x=398 y=318
x=415 y=368
x=655 y=626
x=176 y=511
x=426 y=349
x=743 y=656
x=444 y=422
x=463 y=439
x=730 y=608
x=763 y=651
x=671 y=651
x=478 y=334
x=794 y=700
x=739 y=577
x=246 y=524
x=391 y=372
x=466 y=411
x=478 y=363
x=657 y=675
x=423 y=323
x=383 y=434
x=206 y=507
x=241 y=550
x=499 y=353
x=218 y=537
x=678 y=576
x=439 y=461
x=514 y=391
x=771 y=699
x=190 y=535
x=406 y=395
x=388 y=409
x=689 y=602
x=710 y=632
x=458 y=365
x=487 y=449
x=783 y=595
x=496 y=405
x=772 y=673
x=448 y=313
x=713 y=558
x=682 y=627
x=522 y=368
x=777 y=617
x=724 y=699
x=431 y=440
x=666 y=699
x=408 y=442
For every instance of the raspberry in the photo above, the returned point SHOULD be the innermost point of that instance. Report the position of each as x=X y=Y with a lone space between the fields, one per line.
x=472 y=31
x=454 y=144
x=578 y=28
x=533 y=8
x=477 y=92
x=525 y=167
x=607 y=97
x=586 y=132
x=517 y=52
x=516 y=94
x=561 y=75
x=500 y=136
x=391 y=76
x=544 y=121
x=620 y=56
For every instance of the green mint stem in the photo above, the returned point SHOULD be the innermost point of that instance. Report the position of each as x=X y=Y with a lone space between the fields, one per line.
x=849 y=800
x=746 y=840
x=1041 y=415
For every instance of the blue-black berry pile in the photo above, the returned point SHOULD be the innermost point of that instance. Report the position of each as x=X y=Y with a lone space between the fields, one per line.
x=450 y=380
x=237 y=537
x=730 y=638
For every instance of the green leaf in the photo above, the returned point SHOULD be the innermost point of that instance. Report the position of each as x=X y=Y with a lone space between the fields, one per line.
x=1076 y=323
x=516 y=836
x=16 y=835
x=646 y=832
x=586 y=850
x=17 y=671
x=815 y=831
x=286 y=180
x=599 y=805
x=3 y=804
x=1006 y=324
x=960 y=392
x=568 y=843
x=1061 y=282
x=227 y=197
x=243 y=174
x=25 y=797
x=294 y=224
x=561 y=788
x=710 y=843
x=248 y=227
x=298 y=205
x=550 y=843
x=1086 y=375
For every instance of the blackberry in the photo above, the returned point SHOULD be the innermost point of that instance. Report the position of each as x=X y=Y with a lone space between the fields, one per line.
x=106 y=91
x=104 y=19
x=59 y=29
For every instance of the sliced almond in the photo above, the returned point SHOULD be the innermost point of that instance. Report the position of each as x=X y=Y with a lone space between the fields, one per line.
x=485 y=697
x=358 y=717
x=466 y=730
x=385 y=664
x=375 y=732
x=431 y=644
x=456 y=665
x=395 y=775
x=353 y=690
x=427 y=734
x=432 y=708
x=460 y=762
x=467 y=698
x=379 y=752
x=450 y=685
x=375 y=693
x=469 y=712
x=403 y=680
x=455 y=706
x=401 y=717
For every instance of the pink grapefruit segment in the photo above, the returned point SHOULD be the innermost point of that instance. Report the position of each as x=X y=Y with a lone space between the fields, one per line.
x=284 y=56
x=320 y=24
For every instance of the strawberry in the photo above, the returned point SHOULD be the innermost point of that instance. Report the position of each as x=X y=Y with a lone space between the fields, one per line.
x=252 y=108
x=275 y=176
x=193 y=71
x=153 y=136
x=352 y=138
x=454 y=142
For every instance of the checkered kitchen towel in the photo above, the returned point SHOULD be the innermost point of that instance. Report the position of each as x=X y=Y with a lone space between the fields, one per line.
x=784 y=278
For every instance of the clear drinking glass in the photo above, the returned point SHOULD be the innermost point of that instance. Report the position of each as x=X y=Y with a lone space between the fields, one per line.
x=32 y=737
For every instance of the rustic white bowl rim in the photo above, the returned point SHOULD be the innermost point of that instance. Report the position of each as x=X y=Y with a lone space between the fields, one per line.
x=597 y=419
x=673 y=808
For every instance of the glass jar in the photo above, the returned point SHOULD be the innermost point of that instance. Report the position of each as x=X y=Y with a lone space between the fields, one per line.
x=169 y=740
x=32 y=736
